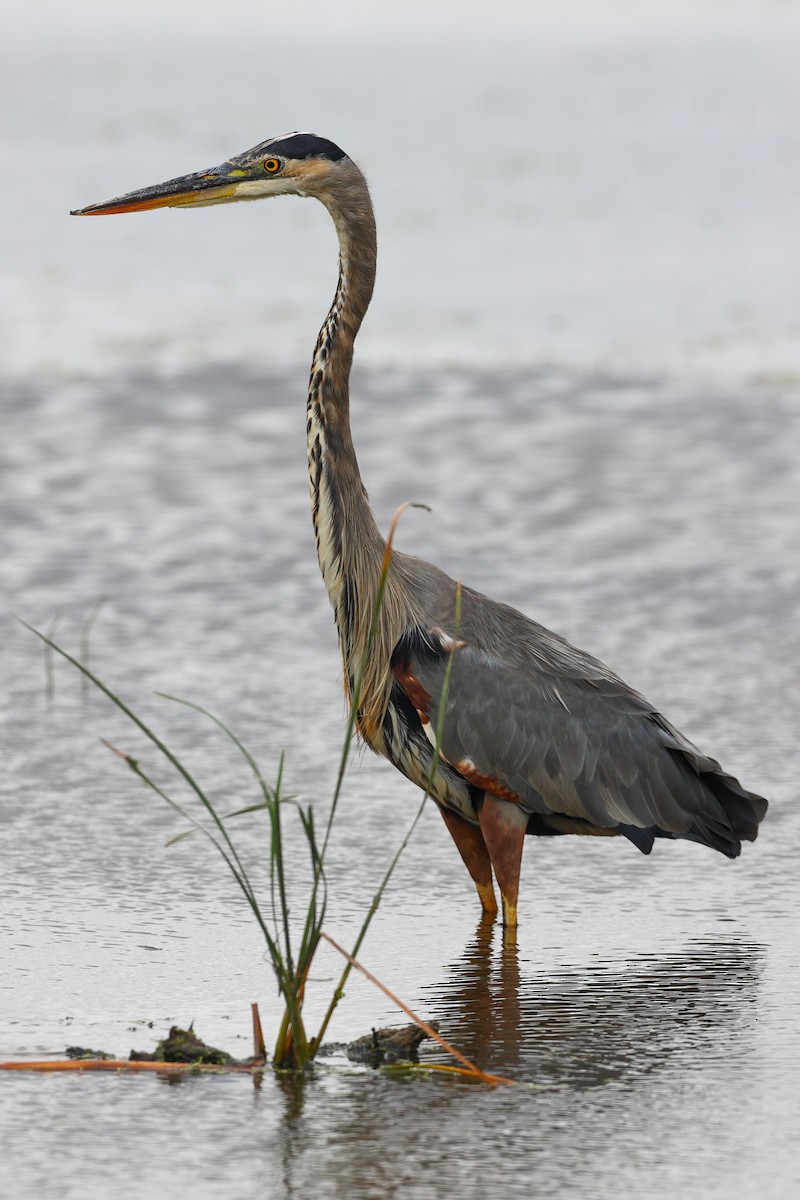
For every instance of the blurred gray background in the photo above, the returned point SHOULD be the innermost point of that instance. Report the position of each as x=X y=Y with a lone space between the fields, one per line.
x=603 y=183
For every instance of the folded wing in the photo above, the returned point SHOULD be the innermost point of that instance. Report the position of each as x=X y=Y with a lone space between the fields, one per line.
x=565 y=738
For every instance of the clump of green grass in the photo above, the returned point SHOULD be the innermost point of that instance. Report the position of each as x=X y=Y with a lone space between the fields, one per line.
x=290 y=957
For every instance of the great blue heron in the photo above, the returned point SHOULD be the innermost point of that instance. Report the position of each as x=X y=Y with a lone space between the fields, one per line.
x=537 y=736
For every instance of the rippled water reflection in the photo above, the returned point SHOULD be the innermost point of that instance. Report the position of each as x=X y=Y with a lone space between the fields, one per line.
x=608 y=1022
x=651 y=1001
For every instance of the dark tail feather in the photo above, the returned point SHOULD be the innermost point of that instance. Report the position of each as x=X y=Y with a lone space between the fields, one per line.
x=642 y=838
x=738 y=812
x=745 y=810
x=724 y=814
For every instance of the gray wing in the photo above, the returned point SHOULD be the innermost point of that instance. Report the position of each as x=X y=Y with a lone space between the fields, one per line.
x=529 y=717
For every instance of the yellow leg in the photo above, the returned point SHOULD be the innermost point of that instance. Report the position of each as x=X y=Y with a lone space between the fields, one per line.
x=503 y=826
x=487 y=898
x=509 y=913
x=472 y=848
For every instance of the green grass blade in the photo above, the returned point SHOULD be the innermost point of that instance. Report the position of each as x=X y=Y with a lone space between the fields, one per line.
x=148 y=732
x=198 y=827
x=248 y=757
x=376 y=900
x=239 y=812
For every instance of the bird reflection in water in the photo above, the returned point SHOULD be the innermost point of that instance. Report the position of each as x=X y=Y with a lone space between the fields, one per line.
x=589 y=1026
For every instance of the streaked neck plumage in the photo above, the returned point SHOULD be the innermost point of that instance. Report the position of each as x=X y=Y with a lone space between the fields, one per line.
x=349 y=544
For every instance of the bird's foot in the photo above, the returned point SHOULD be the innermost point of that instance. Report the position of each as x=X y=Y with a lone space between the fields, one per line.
x=487 y=899
x=509 y=913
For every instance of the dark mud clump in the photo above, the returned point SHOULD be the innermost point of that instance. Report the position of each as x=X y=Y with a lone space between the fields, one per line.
x=83 y=1052
x=184 y=1046
x=382 y=1046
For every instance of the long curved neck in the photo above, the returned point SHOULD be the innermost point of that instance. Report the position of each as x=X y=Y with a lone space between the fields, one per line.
x=347 y=536
x=349 y=545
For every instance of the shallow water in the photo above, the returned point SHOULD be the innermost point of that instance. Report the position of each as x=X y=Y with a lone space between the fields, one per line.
x=651 y=999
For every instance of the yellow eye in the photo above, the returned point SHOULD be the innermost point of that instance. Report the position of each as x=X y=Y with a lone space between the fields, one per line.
x=272 y=165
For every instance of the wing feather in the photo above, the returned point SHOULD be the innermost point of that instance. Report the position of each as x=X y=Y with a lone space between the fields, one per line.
x=562 y=733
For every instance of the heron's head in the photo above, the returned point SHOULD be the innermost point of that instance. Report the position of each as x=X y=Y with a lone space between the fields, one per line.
x=296 y=164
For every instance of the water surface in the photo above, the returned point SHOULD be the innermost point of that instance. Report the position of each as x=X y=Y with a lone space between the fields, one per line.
x=652 y=1000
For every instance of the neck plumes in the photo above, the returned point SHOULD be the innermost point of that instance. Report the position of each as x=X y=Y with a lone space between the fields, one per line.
x=350 y=547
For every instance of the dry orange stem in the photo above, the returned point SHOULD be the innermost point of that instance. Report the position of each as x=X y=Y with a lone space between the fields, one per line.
x=471 y=1069
x=387 y=554
x=114 y=1064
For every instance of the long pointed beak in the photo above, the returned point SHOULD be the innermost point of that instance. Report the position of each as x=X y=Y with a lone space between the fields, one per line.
x=214 y=186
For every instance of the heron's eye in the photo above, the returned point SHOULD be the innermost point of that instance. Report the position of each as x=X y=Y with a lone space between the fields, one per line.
x=272 y=165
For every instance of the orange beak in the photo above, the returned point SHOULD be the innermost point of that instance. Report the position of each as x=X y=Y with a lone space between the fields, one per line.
x=189 y=191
